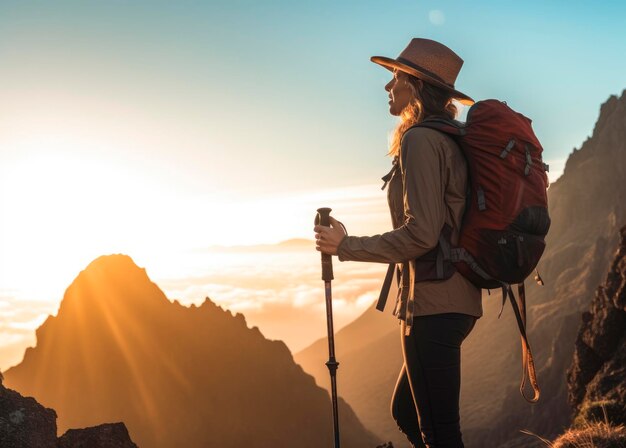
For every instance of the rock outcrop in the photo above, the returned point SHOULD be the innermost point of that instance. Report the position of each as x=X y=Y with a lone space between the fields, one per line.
x=24 y=423
x=597 y=378
x=119 y=350
x=108 y=435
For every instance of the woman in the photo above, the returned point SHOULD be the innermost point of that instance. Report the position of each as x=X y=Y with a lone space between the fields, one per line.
x=426 y=195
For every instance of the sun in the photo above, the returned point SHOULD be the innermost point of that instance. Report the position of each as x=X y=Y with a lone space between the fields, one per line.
x=61 y=211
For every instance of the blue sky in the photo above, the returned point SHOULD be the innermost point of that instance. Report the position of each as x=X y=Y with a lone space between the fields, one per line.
x=217 y=93
x=193 y=123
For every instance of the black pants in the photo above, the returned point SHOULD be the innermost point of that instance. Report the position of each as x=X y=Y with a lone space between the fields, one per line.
x=425 y=403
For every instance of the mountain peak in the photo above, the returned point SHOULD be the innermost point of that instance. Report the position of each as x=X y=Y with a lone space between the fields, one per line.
x=115 y=267
x=112 y=279
x=614 y=108
x=603 y=155
x=113 y=261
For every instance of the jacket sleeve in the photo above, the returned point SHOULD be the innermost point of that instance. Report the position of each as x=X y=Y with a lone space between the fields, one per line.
x=423 y=170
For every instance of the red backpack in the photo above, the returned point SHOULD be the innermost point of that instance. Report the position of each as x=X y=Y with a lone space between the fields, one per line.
x=506 y=217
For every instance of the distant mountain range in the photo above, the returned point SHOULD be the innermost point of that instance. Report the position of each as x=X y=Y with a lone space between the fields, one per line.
x=119 y=350
x=588 y=206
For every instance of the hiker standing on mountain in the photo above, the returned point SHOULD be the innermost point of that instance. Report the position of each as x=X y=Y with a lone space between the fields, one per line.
x=427 y=186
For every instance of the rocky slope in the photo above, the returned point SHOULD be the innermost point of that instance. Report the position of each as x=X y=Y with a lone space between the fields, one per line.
x=118 y=350
x=587 y=204
x=597 y=378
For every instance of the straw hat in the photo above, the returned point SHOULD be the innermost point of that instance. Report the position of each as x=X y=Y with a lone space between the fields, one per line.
x=430 y=61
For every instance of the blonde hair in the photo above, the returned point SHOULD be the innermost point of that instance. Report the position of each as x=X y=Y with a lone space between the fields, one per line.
x=428 y=100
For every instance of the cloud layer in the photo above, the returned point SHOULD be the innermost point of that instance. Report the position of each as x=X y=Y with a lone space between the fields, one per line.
x=282 y=292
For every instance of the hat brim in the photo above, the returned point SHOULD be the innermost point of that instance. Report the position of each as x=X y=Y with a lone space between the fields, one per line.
x=391 y=64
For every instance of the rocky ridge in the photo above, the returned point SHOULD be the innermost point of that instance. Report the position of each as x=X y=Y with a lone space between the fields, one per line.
x=597 y=377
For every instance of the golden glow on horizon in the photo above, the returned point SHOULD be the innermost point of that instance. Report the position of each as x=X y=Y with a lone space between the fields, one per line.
x=60 y=212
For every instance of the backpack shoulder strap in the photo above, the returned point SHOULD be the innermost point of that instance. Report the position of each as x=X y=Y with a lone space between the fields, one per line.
x=447 y=126
x=450 y=127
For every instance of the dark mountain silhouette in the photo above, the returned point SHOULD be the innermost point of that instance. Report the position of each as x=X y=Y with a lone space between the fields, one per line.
x=587 y=204
x=119 y=350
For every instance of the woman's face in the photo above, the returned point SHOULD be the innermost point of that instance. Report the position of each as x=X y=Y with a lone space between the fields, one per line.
x=400 y=92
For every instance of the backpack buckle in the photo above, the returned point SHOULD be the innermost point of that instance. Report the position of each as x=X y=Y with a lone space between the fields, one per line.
x=529 y=160
x=505 y=152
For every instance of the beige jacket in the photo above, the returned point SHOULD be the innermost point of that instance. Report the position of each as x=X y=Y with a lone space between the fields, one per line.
x=430 y=193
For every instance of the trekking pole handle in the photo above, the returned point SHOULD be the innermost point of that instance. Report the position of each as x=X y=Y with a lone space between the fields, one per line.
x=323 y=218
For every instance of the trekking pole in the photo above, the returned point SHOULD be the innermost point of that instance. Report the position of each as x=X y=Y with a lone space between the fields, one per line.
x=323 y=218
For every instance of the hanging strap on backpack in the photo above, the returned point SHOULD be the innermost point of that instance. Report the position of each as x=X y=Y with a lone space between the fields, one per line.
x=384 y=292
x=528 y=362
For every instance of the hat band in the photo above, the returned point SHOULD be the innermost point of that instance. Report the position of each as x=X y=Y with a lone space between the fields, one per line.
x=423 y=70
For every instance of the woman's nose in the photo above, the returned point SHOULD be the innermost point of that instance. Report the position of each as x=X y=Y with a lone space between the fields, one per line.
x=389 y=86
